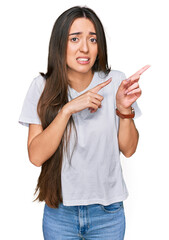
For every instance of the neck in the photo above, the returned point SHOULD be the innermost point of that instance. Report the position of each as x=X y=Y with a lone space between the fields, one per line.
x=79 y=81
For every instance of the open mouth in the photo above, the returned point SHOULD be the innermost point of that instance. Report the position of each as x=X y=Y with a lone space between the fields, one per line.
x=83 y=60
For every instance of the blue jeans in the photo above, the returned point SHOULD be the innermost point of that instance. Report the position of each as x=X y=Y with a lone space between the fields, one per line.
x=87 y=222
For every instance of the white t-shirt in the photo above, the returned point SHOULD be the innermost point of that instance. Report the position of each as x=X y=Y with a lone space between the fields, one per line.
x=95 y=175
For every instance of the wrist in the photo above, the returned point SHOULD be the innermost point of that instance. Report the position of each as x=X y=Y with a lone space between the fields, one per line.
x=66 y=111
x=125 y=115
x=123 y=110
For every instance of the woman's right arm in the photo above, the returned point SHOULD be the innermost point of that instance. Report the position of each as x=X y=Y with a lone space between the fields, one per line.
x=42 y=144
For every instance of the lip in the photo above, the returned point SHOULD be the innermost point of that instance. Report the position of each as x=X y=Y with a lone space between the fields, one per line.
x=83 y=62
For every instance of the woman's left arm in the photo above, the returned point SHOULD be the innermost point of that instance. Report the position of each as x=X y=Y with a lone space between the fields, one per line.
x=127 y=93
x=127 y=137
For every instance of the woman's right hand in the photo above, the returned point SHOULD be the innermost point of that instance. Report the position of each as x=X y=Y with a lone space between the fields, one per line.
x=90 y=99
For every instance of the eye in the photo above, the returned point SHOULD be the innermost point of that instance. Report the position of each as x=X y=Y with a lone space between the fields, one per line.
x=74 y=39
x=93 y=40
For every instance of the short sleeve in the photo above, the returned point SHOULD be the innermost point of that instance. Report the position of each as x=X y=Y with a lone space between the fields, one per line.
x=29 y=113
x=137 y=110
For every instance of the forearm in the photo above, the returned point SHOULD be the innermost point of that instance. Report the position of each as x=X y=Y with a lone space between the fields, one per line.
x=44 y=145
x=127 y=137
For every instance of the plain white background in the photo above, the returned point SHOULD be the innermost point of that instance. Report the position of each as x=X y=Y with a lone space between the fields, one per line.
x=137 y=34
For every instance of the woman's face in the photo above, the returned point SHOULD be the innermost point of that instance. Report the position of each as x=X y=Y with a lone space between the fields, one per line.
x=82 y=46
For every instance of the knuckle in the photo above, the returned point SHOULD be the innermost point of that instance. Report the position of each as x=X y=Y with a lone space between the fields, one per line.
x=90 y=96
x=88 y=100
x=95 y=106
x=100 y=97
x=123 y=82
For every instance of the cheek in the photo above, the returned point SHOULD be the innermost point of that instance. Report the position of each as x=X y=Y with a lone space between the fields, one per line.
x=69 y=54
x=71 y=51
x=68 y=51
x=96 y=51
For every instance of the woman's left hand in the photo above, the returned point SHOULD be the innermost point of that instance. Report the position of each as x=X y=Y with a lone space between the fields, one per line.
x=129 y=91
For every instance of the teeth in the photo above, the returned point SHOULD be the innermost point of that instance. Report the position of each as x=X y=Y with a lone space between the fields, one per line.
x=83 y=59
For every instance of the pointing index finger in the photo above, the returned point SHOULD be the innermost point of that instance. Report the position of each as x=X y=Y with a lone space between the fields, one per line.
x=100 y=86
x=141 y=70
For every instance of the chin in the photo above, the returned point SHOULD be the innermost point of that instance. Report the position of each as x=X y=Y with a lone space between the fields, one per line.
x=82 y=70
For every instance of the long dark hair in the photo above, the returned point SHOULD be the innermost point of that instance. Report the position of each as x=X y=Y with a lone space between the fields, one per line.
x=55 y=96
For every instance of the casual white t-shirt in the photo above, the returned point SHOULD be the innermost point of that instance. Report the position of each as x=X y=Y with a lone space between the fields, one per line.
x=95 y=174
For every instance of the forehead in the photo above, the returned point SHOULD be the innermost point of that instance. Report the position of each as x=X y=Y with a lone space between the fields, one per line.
x=82 y=25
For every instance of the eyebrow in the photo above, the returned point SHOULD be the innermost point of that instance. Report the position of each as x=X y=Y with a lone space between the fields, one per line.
x=78 y=33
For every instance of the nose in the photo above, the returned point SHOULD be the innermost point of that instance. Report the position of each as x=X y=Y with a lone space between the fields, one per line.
x=84 y=46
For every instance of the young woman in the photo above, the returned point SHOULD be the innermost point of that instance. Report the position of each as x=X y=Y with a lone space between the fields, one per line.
x=80 y=117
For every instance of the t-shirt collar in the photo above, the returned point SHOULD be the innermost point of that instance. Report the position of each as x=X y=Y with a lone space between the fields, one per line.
x=73 y=93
